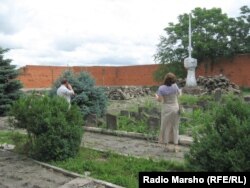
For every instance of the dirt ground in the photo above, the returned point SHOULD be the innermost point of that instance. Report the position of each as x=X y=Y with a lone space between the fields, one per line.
x=19 y=171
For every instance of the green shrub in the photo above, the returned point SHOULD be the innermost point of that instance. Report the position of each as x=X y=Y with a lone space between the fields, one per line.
x=222 y=143
x=90 y=99
x=54 y=130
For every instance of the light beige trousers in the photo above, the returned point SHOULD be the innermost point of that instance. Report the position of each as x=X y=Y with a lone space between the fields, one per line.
x=169 y=131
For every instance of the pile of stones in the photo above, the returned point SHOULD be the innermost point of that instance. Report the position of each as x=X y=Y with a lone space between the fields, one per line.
x=206 y=85
x=211 y=84
x=126 y=92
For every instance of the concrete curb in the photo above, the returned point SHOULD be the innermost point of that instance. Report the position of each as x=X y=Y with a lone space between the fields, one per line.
x=76 y=175
x=85 y=179
x=183 y=140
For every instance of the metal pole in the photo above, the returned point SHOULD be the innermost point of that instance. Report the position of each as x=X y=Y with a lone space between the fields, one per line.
x=189 y=35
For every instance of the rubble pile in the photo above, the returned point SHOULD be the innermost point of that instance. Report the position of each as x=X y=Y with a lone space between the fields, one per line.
x=126 y=92
x=212 y=83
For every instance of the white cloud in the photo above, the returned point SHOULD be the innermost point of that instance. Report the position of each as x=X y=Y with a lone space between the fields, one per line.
x=92 y=32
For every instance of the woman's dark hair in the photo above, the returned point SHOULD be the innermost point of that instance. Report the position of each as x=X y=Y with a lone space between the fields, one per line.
x=64 y=81
x=169 y=79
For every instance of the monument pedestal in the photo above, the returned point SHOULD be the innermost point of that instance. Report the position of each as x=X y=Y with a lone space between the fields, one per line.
x=190 y=64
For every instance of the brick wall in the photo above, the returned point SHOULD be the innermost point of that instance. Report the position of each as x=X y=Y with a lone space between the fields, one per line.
x=39 y=76
x=44 y=76
x=237 y=69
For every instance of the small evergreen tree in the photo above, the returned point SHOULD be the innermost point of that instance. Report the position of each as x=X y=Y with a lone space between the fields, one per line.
x=9 y=86
x=90 y=99
x=54 y=131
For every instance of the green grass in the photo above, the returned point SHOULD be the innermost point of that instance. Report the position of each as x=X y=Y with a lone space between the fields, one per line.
x=6 y=137
x=15 y=138
x=114 y=168
x=131 y=125
x=188 y=99
x=196 y=119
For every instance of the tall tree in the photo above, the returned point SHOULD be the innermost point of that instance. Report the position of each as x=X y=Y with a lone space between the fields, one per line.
x=239 y=32
x=9 y=86
x=214 y=35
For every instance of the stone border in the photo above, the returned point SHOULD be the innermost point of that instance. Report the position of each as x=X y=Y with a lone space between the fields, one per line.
x=76 y=175
x=183 y=140
x=68 y=173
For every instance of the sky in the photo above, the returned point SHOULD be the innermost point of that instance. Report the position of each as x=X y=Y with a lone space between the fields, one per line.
x=92 y=32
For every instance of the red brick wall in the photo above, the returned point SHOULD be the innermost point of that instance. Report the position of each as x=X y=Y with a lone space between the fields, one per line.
x=237 y=69
x=44 y=76
x=39 y=76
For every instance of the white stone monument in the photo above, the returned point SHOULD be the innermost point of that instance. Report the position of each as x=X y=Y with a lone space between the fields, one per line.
x=190 y=63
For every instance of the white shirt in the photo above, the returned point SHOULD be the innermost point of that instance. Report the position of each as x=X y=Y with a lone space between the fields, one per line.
x=63 y=91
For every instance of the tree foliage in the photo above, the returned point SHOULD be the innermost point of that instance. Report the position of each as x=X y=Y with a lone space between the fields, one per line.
x=214 y=35
x=9 y=86
x=90 y=99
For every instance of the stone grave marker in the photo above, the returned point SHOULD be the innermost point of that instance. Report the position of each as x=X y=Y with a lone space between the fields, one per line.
x=155 y=112
x=217 y=94
x=135 y=115
x=111 y=121
x=247 y=98
x=142 y=109
x=153 y=123
x=91 y=120
x=124 y=113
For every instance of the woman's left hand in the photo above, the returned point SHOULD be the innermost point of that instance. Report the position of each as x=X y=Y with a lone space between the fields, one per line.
x=158 y=98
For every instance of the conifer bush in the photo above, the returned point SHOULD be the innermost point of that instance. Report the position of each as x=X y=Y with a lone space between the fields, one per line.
x=9 y=86
x=222 y=143
x=54 y=130
x=90 y=99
